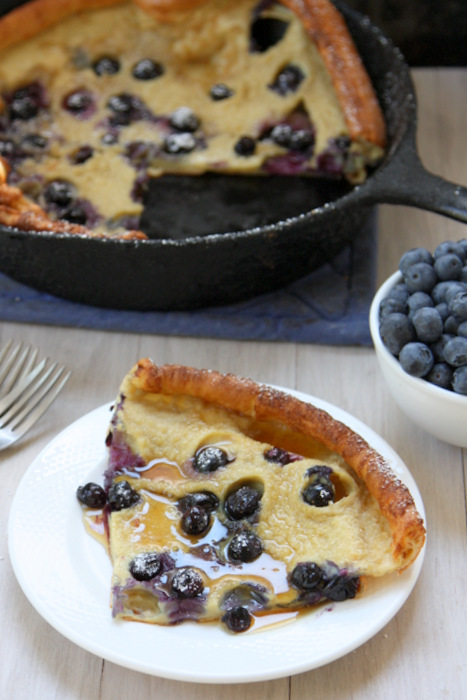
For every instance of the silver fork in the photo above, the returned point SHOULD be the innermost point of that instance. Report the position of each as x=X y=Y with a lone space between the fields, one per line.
x=27 y=388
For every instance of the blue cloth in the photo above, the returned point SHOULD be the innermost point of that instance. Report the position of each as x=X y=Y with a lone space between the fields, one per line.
x=328 y=306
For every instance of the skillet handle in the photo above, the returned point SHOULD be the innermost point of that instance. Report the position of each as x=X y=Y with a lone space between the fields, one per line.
x=405 y=180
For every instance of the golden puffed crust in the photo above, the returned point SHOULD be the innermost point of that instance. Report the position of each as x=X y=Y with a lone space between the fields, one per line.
x=264 y=403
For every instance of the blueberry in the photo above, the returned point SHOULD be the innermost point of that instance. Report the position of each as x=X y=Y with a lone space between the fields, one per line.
x=184 y=119
x=440 y=375
x=126 y=108
x=92 y=495
x=245 y=146
x=80 y=103
x=437 y=347
x=245 y=546
x=451 y=325
x=438 y=293
x=147 y=69
x=396 y=330
x=307 y=576
x=416 y=359
x=428 y=324
x=34 y=142
x=319 y=493
x=237 y=619
x=26 y=102
x=59 y=192
x=242 y=503
x=448 y=247
x=209 y=459
x=75 y=214
x=300 y=140
x=400 y=292
x=35 y=91
x=462 y=329
x=415 y=255
x=453 y=289
x=106 y=65
x=463 y=246
x=121 y=495
x=281 y=135
x=177 y=144
x=7 y=147
x=195 y=520
x=205 y=499
x=420 y=277
x=459 y=380
x=418 y=300
x=443 y=310
x=448 y=267
x=463 y=277
x=278 y=456
x=340 y=587
x=145 y=566
x=458 y=306
x=455 y=351
x=121 y=104
x=219 y=91
x=81 y=155
x=288 y=80
x=390 y=305
x=187 y=583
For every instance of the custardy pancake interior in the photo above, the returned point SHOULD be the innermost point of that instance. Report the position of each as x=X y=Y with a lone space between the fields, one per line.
x=105 y=133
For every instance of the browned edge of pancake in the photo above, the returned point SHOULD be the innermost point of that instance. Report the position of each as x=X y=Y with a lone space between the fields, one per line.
x=264 y=403
x=327 y=28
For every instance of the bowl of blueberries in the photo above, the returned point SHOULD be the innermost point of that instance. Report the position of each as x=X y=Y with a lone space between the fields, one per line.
x=418 y=323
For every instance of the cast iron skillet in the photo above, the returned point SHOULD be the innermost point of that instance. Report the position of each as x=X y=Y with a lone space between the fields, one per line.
x=234 y=238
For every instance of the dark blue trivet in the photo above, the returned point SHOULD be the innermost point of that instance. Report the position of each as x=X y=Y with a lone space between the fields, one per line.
x=329 y=306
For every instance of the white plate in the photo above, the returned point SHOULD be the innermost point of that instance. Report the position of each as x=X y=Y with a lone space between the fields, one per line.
x=66 y=576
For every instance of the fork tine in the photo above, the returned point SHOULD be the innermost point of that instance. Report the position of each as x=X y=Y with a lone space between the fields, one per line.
x=4 y=351
x=32 y=395
x=16 y=368
x=10 y=400
x=8 y=362
x=34 y=412
x=29 y=364
x=21 y=370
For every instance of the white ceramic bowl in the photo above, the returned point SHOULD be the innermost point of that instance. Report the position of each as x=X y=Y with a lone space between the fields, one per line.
x=440 y=412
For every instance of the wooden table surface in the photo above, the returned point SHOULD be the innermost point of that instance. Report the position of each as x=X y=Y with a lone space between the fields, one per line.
x=421 y=653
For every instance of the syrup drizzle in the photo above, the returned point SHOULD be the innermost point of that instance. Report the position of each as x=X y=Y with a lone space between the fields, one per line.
x=157 y=519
